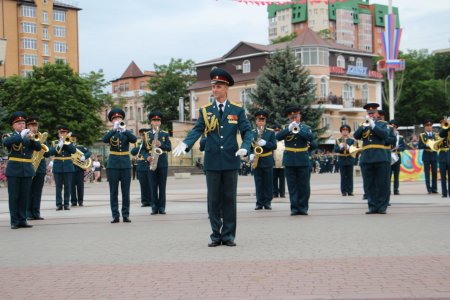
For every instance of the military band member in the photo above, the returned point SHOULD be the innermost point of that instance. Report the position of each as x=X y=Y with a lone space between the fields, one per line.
x=396 y=149
x=264 y=140
x=374 y=160
x=34 y=203
x=390 y=141
x=220 y=121
x=19 y=170
x=119 y=164
x=63 y=168
x=297 y=137
x=444 y=158
x=429 y=157
x=279 y=181
x=77 y=194
x=157 y=139
x=142 y=169
x=346 y=161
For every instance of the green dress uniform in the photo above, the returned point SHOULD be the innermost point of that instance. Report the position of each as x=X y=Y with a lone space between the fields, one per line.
x=19 y=171
x=429 y=160
x=263 y=172
x=279 y=180
x=143 y=174
x=37 y=185
x=158 y=177
x=346 y=163
x=375 y=164
x=77 y=193
x=220 y=162
x=297 y=166
x=444 y=162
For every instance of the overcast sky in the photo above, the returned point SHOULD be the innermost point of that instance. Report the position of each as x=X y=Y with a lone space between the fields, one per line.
x=113 y=33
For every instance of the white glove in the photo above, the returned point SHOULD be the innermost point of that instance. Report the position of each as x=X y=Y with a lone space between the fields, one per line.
x=180 y=149
x=371 y=123
x=24 y=132
x=241 y=152
x=82 y=158
x=341 y=145
x=252 y=157
x=116 y=124
x=292 y=125
x=262 y=142
x=122 y=129
x=60 y=143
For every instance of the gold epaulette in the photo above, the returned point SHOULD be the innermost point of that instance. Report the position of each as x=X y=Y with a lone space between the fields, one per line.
x=206 y=105
x=236 y=104
x=270 y=129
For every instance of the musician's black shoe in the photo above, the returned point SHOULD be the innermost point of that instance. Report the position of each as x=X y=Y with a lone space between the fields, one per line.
x=229 y=243
x=59 y=208
x=268 y=207
x=66 y=208
x=115 y=220
x=214 y=244
x=126 y=220
x=350 y=194
x=258 y=208
x=25 y=225
x=154 y=212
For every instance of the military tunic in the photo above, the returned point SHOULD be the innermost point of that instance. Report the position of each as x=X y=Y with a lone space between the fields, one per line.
x=346 y=163
x=37 y=185
x=19 y=172
x=395 y=167
x=143 y=175
x=444 y=162
x=220 y=162
x=429 y=160
x=297 y=166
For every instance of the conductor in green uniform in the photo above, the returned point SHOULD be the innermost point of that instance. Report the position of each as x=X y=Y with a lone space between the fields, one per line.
x=220 y=121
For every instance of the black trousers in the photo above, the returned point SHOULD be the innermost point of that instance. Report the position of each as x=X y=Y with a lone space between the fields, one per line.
x=395 y=171
x=426 y=169
x=263 y=185
x=77 y=192
x=158 y=180
x=63 y=179
x=34 y=202
x=18 y=195
x=445 y=176
x=346 y=173
x=375 y=176
x=279 y=182
x=222 y=191
x=144 y=183
x=298 y=181
x=124 y=176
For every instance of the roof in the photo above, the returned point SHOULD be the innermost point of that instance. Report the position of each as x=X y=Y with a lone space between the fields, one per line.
x=132 y=71
x=237 y=79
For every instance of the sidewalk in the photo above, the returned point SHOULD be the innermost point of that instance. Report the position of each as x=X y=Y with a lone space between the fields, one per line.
x=337 y=252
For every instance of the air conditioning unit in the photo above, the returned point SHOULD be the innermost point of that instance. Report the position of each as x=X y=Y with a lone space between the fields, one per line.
x=238 y=67
x=351 y=58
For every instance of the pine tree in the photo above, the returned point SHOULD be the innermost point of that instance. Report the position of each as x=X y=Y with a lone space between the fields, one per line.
x=285 y=82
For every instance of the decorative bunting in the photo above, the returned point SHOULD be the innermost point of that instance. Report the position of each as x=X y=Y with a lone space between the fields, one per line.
x=391 y=43
x=259 y=3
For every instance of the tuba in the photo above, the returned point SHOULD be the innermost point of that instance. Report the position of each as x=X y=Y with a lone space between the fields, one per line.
x=76 y=160
x=258 y=149
x=435 y=144
x=156 y=152
x=38 y=155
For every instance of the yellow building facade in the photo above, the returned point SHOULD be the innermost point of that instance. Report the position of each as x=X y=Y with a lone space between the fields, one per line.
x=38 y=32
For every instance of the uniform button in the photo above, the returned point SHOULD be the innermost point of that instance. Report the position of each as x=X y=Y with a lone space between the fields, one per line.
x=221 y=136
x=221 y=126
x=295 y=144
x=221 y=147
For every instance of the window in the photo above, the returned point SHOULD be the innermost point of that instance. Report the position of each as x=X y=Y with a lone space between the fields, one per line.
x=347 y=92
x=323 y=87
x=126 y=113
x=45 y=60
x=29 y=27
x=313 y=56
x=59 y=31
x=28 y=11
x=45 y=49
x=45 y=33
x=131 y=113
x=245 y=98
x=59 y=15
x=365 y=93
x=340 y=61
x=29 y=60
x=60 y=47
x=211 y=99
x=246 y=66
x=139 y=114
x=27 y=73
x=60 y=59
x=45 y=17
x=142 y=85
x=324 y=121
x=359 y=62
x=29 y=44
x=127 y=86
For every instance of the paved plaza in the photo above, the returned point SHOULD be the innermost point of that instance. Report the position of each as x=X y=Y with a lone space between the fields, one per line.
x=337 y=252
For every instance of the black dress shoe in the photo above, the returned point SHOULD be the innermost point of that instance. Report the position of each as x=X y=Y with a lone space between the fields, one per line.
x=14 y=227
x=303 y=213
x=434 y=192
x=444 y=196
x=115 y=220
x=258 y=208
x=214 y=244
x=350 y=194
x=268 y=207
x=59 y=208
x=275 y=195
x=370 y=212
x=154 y=213
x=283 y=196
x=396 y=193
x=126 y=220
x=294 y=213
x=25 y=225
x=39 y=218
x=31 y=218
x=344 y=194
x=229 y=243
x=80 y=204
x=162 y=212
x=66 y=208
x=145 y=205
x=74 y=204
x=382 y=212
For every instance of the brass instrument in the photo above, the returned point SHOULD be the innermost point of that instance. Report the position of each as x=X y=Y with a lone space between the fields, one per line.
x=258 y=150
x=67 y=140
x=76 y=160
x=344 y=143
x=444 y=124
x=38 y=155
x=353 y=150
x=296 y=129
x=435 y=144
x=122 y=125
x=156 y=152
x=366 y=123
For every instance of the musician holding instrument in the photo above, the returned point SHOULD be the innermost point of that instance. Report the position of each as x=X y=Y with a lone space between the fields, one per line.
x=374 y=161
x=157 y=146
x=142 y=172
x=345 y=160
x=429 y=156
x=40 y=166
x=220 y=121
x=119 y=164
x=396 y=159
x=444 y=157
x=297 y=137
x=19 y=170
x=82 y=162
x=279 y=179
x=63 y=167
x=264 y=143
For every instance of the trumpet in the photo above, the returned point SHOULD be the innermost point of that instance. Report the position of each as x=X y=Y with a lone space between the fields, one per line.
x=122 y=125
x=366 y=123
x=296 y=129
x=444 y=124
x=68 y=139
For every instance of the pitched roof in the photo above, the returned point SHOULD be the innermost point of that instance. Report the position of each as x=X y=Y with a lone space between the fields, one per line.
x=132 y=71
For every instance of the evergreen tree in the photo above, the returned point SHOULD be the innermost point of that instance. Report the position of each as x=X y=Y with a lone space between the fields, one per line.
x=285 y=82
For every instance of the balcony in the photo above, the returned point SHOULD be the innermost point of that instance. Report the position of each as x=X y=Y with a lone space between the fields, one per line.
x=334 y=102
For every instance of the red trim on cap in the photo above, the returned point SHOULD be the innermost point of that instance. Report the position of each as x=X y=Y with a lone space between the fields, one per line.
x=19 y=119
x=293 y=113
x=261 y=116
x=220 y=78
x=155 y=119
x=116 y=115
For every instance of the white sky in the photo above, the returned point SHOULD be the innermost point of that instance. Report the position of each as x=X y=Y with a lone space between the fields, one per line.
x=113 y=33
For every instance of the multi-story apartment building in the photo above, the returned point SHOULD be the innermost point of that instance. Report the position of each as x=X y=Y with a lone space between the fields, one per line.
x=38 y=32
x=353 y=23
x=344 y=78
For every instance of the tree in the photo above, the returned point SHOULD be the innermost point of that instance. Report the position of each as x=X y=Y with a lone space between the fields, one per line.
x=283 y=39
x=168 y=86
x=283 y=82
x=57 y=95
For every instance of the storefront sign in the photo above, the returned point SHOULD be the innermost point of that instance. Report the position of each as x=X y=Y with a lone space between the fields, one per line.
x=357 y=71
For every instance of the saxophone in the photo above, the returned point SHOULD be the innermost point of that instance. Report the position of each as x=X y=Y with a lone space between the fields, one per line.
x=156 y=152
x=38 y=155
x=258 y=150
